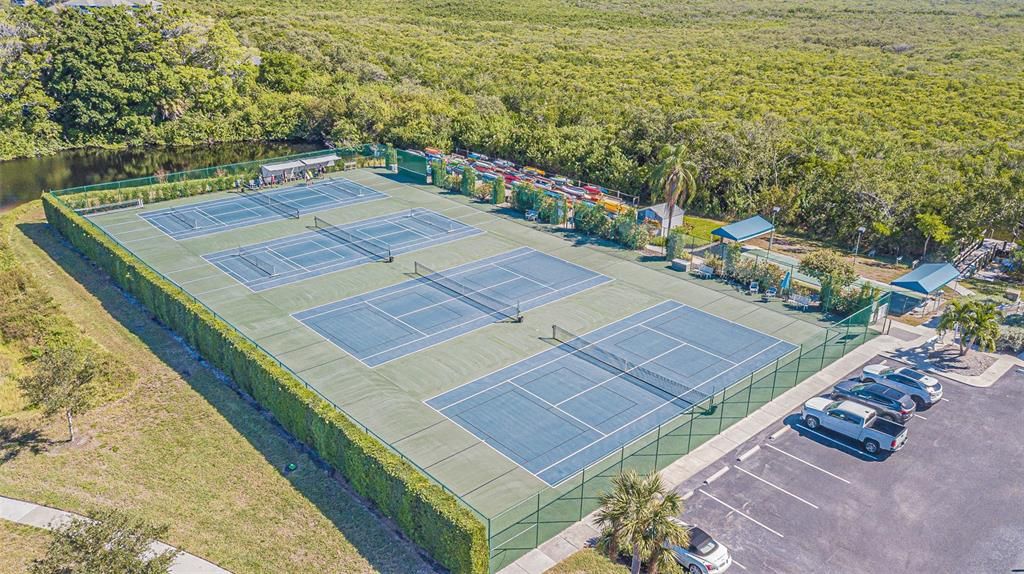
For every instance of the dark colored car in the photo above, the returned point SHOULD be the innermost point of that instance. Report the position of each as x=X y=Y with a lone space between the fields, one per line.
x=889 y=402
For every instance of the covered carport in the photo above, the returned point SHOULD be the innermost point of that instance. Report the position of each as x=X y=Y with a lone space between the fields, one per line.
x=927 y=280
x=744 y=230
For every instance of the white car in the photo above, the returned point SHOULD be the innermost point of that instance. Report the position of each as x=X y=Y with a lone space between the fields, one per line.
x=704 y=555
x=924 y=389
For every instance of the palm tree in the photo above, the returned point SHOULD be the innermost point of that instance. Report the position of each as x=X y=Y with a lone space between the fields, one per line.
x=975 y=322
x=637 y=515
x=984 y=328
x=674 y=179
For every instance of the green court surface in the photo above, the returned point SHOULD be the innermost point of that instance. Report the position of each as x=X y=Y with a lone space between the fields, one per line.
x=391 y=398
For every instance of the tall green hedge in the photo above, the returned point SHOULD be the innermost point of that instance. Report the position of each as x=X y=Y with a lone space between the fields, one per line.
x=427 y=514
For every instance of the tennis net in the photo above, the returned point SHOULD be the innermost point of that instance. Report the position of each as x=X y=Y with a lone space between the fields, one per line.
x=251 y=258
x=623 y=366
x=418 y=216
x=273 y=203
x=367 y=245
x=461 y=290
x=191 y=223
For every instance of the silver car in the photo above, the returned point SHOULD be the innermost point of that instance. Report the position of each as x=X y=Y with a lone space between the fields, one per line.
x=924 y=389
x=703 y=555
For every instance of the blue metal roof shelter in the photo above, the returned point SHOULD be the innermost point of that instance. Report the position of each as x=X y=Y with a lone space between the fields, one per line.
x=928 y=278
x=744 y=230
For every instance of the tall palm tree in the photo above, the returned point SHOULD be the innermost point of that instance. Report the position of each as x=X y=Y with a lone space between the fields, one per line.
x=636 y=515
x=674 y=178
x=976 y=322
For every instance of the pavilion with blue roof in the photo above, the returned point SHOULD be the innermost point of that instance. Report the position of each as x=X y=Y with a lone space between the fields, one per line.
x=928 y=278
x=744 y=230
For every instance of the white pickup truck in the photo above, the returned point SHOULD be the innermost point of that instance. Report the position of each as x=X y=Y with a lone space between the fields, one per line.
x=854 y=420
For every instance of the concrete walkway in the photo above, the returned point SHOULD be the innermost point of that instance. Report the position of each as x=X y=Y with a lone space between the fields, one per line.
x=578 y=535
x=40 y=516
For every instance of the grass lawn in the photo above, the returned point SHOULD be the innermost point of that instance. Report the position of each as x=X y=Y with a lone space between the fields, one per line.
x=183 y=449
x=21 y=544
x=588 y=561
x=876 y=268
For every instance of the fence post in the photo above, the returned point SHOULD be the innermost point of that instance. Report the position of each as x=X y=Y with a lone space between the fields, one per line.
x=536 y=524
x=583 y=488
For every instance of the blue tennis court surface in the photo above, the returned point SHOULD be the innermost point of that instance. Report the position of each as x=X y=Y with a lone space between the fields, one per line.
x=321 y=251
x=245 y=209
x=389 y=323
x=568 y=407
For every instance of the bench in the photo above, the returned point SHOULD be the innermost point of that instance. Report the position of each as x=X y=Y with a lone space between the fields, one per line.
x=680 y=265
x=705 y=272
x=531 y=215
x=801 y=301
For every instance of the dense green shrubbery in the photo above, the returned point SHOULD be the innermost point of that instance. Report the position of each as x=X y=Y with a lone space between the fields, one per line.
x=426 y=513
x=836 y=120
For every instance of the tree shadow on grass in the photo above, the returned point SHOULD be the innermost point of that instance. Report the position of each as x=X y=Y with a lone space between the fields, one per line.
x=15 y=440
x=262 y=431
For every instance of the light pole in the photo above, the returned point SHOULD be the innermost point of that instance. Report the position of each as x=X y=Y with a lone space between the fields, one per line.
x=856 y=248
x=771 y=238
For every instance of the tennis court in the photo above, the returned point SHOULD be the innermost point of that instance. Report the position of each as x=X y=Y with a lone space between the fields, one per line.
x=329 y=248
x=559 y=411
x=247 y=207
x=396 y=321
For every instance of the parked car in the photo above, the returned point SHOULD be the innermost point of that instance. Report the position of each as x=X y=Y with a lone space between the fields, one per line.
x=890 y=403
x=855 y=421
x=703 y=555
x=503 y=163
x=924 y=389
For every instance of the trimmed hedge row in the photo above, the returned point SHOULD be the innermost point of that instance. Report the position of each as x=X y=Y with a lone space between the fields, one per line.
x=427 y=514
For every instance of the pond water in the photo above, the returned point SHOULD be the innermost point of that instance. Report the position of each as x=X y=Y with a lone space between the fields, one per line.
x=25 y=179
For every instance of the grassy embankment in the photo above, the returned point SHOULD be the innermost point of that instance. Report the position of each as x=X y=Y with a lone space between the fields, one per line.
x=178 y=447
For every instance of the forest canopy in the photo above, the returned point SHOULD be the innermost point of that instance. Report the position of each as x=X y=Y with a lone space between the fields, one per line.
x=844 y=115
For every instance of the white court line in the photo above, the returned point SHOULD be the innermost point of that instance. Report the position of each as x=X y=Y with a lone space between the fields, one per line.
x=619 y=376
x=688 y=344
x=920 y=417
x=399 y=321
x=837 y=442
x=414 y=284
x=814 y=466
x=450 y=299
x=741 y=513
x=777 y=487
x=556 y=359
x=663 y=404
x=543 y=400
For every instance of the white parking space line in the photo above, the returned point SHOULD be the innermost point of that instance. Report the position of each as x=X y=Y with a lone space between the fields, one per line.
x=944 y=399
x=794 y=457
x=920 y=417
x=741 y=513
x=738 y=564
x=777 y=487
x=841 y=444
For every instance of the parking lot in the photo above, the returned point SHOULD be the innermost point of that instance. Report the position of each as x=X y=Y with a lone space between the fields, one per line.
x=803 y=501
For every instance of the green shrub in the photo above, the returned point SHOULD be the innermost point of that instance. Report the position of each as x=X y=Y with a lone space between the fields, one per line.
x=156 y=192
x=427 y=514
x=1011 y=339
